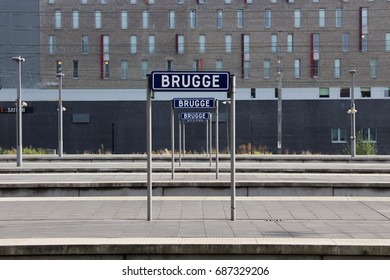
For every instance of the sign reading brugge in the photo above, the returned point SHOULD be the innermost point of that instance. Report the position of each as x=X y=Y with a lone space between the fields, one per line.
x=195 y=116
x=193 y=103
x=190 y=81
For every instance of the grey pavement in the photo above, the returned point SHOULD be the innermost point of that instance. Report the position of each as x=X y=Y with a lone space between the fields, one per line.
x=195 y=217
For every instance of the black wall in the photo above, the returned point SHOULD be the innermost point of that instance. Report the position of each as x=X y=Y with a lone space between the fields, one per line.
x=306 y=126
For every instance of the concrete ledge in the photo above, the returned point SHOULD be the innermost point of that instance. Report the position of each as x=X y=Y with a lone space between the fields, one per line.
x=194 y=188
x=200 y=248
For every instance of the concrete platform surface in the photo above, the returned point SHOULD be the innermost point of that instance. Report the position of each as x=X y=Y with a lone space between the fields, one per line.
x=195 y=227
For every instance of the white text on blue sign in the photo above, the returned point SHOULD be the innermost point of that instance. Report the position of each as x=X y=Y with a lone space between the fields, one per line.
x=192 y=81
x=182 y=103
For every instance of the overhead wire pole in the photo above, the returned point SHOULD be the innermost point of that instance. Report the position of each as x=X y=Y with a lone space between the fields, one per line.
x=149 y=146
x=19 y=147
x=233 y=146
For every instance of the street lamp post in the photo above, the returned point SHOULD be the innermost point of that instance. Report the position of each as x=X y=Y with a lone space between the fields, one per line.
x=60 y=117
x=19 y=148
x=280 y=114
x=353 y=112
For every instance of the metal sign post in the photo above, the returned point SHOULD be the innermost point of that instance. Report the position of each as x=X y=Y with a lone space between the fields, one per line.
x=185 y=81
x=149 y=147
x=233 y=147
x=173 y=142
x=180 y=139
x=216 y=140
x=211 y=139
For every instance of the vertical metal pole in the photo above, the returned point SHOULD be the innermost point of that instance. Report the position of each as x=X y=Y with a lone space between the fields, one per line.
x=233 y=147
x=173 y=141
x=113 y=137
x=353 y=115
x=227 y=128
x=280 y=146
x=60 y=117
x=216 y=140
x=180 y=139
x=207 y=138
x=184 y=138
x=149 y=146
x=211 y=138
x=19 y=147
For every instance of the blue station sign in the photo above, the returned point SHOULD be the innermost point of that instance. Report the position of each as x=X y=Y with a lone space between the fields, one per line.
x=190 y=81
x=193 y=103
x=195 y=116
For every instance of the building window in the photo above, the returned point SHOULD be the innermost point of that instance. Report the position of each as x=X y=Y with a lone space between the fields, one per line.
x=369 y=135
x=219 y=65
x=124 y=21
x=374 y=67
x=339 y=17
x=193 y=19
x=322 y=18
x=75 y=19
x=124 y=69
x=84 y=44
x=297 y=18
x=180 y=1
x=248 y=1
x=228 y=1
x=219 y=19
x=84 y=2
x=387 y=92
x=103 y=2
x=345 y=42
x=58 y=66
x=240 y=18
x=228 y=43
x=180 y=44
x=98 y=19
x=274 y=43
x=388 y=42
x=133 y=2
x=247 y=69
x=52 y=44
x=150 y=2
x=144 y=69
x=57 y=19
x=202 y=44
x=297 y=68
x=171 y=19
x=337 y=68
x=51 y=1
x=267 y=18
x=145 y=19
x=290 y=43
x=345 y=92
x=169 y=65
x=133 y=44
x=197 y=65
x=75 y=69
x=151 y=44
x=315 y=53
x=201 y=1
x=365 y=91
x=324 y=92
x=266 y=69
x=363 y=29
x=339 y=135
x=106 y=70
